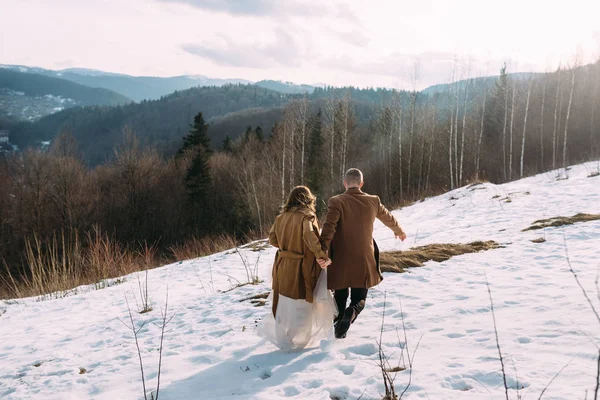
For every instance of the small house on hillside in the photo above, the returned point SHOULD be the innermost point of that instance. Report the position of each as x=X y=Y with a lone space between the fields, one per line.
x=3 y=136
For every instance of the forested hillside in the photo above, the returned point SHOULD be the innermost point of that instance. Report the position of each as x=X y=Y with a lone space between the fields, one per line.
x=159 y=123
x=40 y=85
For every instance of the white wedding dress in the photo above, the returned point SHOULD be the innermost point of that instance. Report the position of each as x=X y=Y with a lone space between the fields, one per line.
x=300 y=324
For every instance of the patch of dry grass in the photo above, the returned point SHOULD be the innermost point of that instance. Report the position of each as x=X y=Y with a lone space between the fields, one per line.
x=399 y=261
x=57 y=268
x=201 y=247
x=562 y=221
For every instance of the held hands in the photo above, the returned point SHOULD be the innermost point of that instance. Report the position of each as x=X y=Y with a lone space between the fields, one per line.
x=324 y=262
x=401 y=236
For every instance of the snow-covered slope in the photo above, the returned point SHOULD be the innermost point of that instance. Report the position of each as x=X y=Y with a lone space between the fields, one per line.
x=212 y=352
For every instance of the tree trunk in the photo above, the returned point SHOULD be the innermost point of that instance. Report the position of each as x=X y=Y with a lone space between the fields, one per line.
x=542 y=124
x=450 y=149
x=398 y=120
x=478 y=157
x=432 y=140
x=504 y=130
x=462 y=139
x=410 y=137
x=567 y=118
x=512 y=118
x=525 y=128
x=556 y=108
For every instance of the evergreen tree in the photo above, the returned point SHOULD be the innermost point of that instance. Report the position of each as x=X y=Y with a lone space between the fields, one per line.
x=197 y=136
x=316 y=160
x=198 y=178
x=227 y=146
x=259 y=134
x=247 y=134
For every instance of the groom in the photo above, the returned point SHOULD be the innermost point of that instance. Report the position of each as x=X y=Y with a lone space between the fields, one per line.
x=348 y=234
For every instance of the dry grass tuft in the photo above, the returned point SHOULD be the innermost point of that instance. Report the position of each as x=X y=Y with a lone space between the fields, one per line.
x=56 y=268
x=200 y=247
x=561 y=221
x=538 y=240
x=399 y=261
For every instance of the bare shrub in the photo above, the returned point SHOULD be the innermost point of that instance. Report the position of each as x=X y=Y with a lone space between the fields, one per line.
x=54 y=269
x=200 y=247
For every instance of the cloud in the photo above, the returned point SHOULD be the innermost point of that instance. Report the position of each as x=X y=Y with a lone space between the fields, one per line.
x=284 y=51
x=258 y=8
x=355 y=38
x=236 y=7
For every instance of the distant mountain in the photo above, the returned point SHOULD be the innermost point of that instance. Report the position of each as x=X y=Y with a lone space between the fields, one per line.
x=30 y=96
x=160 y=122
x=285 y=87
x=137 y=88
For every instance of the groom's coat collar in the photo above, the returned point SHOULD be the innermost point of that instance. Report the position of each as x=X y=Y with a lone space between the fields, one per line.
x=353 y=190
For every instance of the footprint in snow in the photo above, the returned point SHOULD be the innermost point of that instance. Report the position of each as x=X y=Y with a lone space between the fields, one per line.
x=266 y=374
x=346 y=369
x=367 y=349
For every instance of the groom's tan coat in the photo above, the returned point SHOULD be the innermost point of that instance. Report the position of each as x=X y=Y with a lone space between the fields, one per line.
x=348 y=235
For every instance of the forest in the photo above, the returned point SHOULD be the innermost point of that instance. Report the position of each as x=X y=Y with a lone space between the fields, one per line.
x=229 y=175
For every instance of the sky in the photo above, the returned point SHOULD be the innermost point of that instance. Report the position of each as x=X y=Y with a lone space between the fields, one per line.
x=379 y=43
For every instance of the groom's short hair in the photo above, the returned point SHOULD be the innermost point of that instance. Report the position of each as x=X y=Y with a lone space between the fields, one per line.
x=354 y=176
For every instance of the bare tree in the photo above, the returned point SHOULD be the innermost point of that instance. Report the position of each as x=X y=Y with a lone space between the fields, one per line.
x=301 y=121
x=505 y=89
x=431 y=142
x=344 y=107
x=525 y=126
x=397 y=108
x=464 y=123
x=564 y=157
x=542 y=123
x=512 y=119
x=450 y=149
x=478 y=156
x=556 y=112
x=329 y=122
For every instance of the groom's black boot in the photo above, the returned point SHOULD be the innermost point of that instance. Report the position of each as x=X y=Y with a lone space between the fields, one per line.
x=343 y=323
x=348 y=318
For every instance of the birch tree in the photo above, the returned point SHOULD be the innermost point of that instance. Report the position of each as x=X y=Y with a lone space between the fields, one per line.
x=479 y=142
x=525 y=127
x=556 y=109
x=542 y=123
x=512 y=119
x=564 y=157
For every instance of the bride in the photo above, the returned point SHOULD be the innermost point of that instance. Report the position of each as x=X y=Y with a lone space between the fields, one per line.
x=302 y=306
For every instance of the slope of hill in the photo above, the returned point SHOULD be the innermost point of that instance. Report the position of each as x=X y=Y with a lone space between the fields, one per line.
x=30 y=96
x=285 y=87
x=211 y=349
x=99 y=129
x=137 y=88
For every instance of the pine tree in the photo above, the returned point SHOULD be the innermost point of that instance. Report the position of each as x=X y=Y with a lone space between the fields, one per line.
x=197 y=136
x=316 y=161
x=247 y=134
x=259 y=134
x=198 y=181
x=227 y=146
